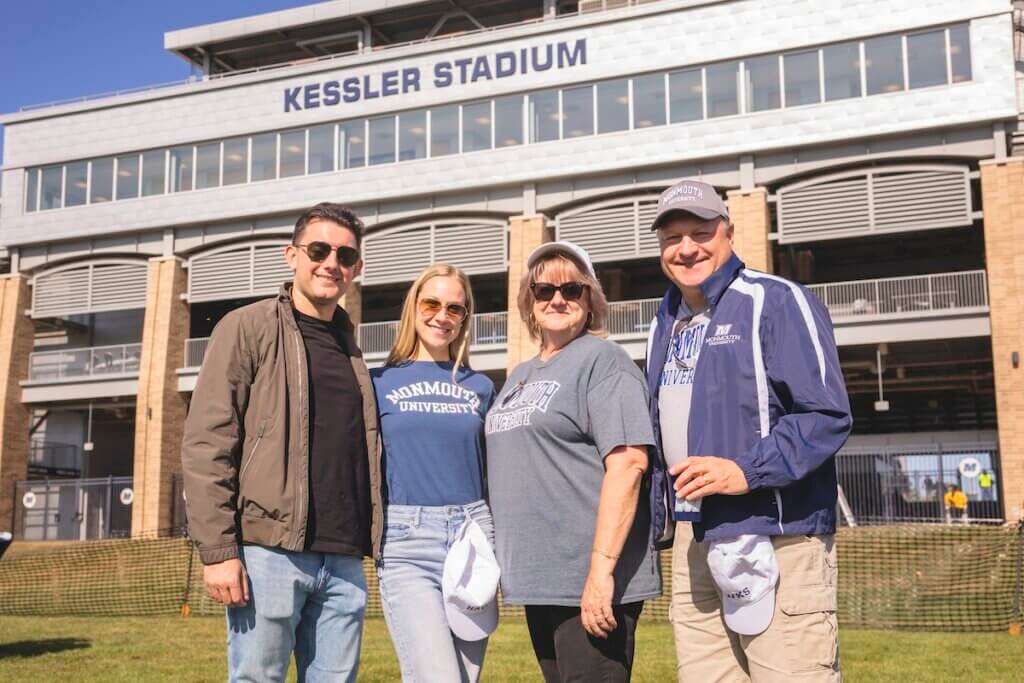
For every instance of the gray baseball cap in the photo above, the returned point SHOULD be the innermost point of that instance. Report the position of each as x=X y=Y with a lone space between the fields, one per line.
x=691 y=196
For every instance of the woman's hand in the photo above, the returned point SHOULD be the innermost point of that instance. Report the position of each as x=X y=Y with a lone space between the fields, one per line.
x=596 y=605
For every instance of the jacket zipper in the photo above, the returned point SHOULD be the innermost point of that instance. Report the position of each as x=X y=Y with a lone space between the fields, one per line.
x=778 y=503
x=301 y=483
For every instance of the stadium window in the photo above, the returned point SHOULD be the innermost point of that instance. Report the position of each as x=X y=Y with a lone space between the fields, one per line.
x=578 y=105
x=444 y=131
x=842 y=71
x=686 y=90
x=32 y=190
x=264 y=157
x=926 y=59
x=128 y=177
x=544 y=116
x=649 y=101
x=803 y=83
x=76 y=183
x=508 y=121
x=761 y=79
x=352 y=143
x=883 y=58
x=154 y=172
x=613 y=106
x=208 y=165
x=321 y=148
x=50 y=197
x=382 y=140
x=723 y=90
x=476 y=126
x=236 y=161
x=293 y=153
x=101 y=180
x=412 y=135
x=181 y=168
x=960 y=53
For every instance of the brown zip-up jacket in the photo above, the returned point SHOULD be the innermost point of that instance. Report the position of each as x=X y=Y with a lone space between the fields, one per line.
x=245 y=453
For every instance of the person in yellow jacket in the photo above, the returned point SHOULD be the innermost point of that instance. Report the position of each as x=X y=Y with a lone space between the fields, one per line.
x=987 y=483
x=955 y=502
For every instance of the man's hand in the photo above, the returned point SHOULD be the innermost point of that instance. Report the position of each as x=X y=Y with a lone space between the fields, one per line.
x=596 y=605
x=701 y=476
x=227 y=583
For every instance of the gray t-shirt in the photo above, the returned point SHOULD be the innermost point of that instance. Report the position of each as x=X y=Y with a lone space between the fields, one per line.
x=548 y=432
x=676 y=387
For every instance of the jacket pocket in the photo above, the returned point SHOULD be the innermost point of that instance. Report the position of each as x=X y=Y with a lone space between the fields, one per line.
x=247 y=461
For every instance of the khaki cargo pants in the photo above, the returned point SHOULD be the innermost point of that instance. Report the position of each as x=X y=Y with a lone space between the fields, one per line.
x=800 y=644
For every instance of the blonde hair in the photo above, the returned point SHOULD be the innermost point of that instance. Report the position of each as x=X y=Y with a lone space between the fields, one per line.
x=407 y=342
x=597 y=319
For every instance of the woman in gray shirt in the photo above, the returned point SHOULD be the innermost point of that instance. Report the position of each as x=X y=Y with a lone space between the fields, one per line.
x=567 y=442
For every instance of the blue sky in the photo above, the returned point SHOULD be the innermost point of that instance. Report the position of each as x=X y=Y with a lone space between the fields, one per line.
x=61 y=49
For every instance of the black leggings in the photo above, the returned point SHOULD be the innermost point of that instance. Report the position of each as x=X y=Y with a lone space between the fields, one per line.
x=567 y=653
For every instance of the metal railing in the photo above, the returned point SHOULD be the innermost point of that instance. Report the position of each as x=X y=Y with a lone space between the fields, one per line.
x=377 y=337
x=894 y=485
x=631 y=318
x=905 y=297
x=195 y=349
x=490 y=329
x=73 y=509
x=47 y=456
x=95 y=361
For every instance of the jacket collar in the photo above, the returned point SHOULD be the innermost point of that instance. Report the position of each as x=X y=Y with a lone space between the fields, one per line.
x=713 y=288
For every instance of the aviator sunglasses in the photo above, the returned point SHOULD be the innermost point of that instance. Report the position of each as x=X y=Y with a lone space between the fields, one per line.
x=545 y=291
x=319 y=251
x=429 y=307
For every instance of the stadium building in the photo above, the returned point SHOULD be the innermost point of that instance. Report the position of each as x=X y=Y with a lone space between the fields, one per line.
x=866 y=148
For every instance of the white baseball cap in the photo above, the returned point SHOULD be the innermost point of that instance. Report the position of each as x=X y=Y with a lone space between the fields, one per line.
x=469 y=584
x=573 y=251
x=745 y=570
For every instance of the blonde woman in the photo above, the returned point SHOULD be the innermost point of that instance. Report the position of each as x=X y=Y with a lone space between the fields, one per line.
x=432 y=407
x=567 y=443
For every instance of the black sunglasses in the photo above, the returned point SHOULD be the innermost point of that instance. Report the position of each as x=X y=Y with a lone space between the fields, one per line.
x=545 y=291
x=319 y=251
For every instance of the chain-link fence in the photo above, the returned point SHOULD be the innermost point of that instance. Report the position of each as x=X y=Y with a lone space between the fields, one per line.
x=923 y=576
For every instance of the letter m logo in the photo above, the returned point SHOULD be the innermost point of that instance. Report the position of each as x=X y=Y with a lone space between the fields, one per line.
x=722 y=330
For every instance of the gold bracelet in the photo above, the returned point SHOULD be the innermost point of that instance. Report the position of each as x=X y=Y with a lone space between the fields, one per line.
x=604 y=554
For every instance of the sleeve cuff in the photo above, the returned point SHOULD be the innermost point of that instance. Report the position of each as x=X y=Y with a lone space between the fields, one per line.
x=218 y=553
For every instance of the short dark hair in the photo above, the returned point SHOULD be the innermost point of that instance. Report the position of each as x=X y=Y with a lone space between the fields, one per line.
x=328 y=211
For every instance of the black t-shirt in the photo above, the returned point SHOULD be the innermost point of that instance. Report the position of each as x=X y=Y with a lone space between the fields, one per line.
x=339 y=481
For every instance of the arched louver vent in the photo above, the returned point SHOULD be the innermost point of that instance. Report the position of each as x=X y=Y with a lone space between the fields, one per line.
x=612 y=230
x=238 y=272
x=400 y=254
x=875 y=200
x=92 y=287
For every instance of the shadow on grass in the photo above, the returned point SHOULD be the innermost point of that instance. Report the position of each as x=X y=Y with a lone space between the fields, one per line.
x=35 y=648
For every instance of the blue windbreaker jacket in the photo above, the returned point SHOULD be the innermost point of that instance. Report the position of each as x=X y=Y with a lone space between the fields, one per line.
x=768 y=394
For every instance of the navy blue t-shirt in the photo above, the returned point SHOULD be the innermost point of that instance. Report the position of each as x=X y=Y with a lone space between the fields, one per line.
x=433 y=432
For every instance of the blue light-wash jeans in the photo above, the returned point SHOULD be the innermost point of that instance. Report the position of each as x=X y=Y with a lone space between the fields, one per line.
x=416 y=541
x=312 y=603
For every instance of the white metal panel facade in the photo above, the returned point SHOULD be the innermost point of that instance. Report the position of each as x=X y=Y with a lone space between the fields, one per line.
x=875 y=200
x=90 y=287
x=238 y=271
x=399 y=254
x=612 y=230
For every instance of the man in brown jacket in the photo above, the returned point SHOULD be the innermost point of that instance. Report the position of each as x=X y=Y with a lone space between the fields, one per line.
x=282 y=465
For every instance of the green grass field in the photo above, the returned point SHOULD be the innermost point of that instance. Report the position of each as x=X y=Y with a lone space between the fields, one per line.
x=94 y=649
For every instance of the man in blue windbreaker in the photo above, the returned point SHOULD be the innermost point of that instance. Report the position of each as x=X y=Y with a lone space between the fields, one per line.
x=749 y=407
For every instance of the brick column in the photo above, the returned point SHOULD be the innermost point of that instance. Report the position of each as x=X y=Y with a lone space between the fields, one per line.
x=160 y=408
x=525 y=233
x=748 y=210
x=352 y=302
x=1002 y=191
x=16 y=339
